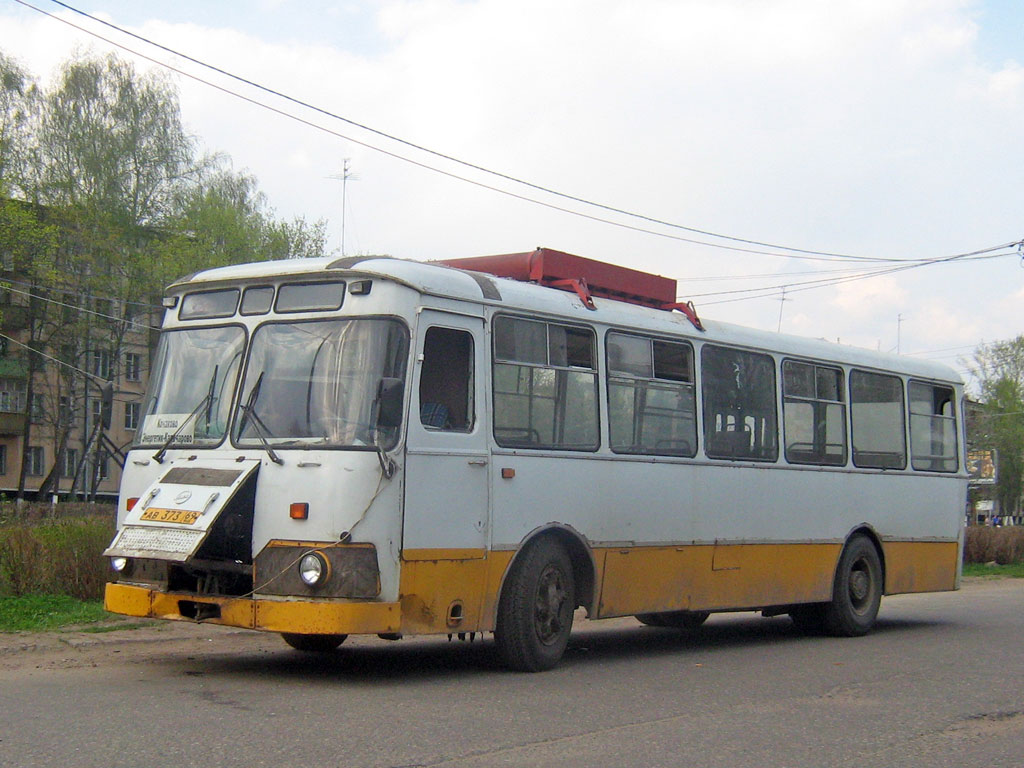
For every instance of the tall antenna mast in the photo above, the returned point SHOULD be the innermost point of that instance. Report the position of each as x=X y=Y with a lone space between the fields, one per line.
x=782 y=303
x=343 y=177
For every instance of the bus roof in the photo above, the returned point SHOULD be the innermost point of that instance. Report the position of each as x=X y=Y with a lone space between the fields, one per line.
x=437 y=279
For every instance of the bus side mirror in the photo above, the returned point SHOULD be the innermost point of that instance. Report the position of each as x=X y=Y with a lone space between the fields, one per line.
x=390 y=393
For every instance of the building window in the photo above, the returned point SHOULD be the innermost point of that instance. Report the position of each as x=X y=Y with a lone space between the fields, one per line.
x=131 y=415
x=133 y=366
x=12 y=395
x=65 y=413
x=70 y=462
x=3 y=459
x=36 y=459
x=38 y=407
x=102 y=465
x=95 y=413
x=652 y=408
x=100 y=364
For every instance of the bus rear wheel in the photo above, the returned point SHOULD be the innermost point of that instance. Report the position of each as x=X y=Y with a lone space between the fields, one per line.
x=857 y=590
x=674 y=619
x=313 y=643
x=536 y=608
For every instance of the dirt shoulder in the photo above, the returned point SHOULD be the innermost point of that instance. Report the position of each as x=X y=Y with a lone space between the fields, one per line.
x=122 y=642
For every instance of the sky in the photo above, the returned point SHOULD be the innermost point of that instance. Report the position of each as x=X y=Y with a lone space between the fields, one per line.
x=883 y=129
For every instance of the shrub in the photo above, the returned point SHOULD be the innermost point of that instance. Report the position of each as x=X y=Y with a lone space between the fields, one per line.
x=984 y=544
x=60 y=556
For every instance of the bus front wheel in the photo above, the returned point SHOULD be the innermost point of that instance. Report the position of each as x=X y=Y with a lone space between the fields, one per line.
x=313 y=643
x=536 y=608
x=857 y=590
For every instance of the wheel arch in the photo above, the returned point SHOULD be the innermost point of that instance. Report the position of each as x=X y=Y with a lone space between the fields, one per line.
x=584 y=567
x=864 y=529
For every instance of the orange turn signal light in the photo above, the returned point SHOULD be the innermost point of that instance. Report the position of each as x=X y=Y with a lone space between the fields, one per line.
x=507 y=473
x=131 y=503
x=298 y=510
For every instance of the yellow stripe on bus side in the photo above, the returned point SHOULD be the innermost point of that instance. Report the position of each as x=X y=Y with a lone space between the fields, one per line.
x=709 y=576
x=920 y=566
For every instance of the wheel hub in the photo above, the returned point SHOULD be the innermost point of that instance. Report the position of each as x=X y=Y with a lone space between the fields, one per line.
x=551 y=596
x=860 y=585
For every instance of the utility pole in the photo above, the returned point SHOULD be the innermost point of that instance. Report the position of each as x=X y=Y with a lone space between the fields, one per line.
x=344 y=177
x=782 y=303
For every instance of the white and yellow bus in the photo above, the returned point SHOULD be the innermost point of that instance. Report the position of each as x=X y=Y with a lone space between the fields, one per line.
x=377 y=446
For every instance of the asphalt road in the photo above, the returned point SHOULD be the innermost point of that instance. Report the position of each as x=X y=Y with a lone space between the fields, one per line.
x=939 y=683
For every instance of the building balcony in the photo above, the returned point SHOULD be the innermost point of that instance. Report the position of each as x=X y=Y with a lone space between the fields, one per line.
x=12 y=424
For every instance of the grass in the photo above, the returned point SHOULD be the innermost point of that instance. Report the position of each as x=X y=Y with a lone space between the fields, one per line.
x=37 y=613
x=1015 y=571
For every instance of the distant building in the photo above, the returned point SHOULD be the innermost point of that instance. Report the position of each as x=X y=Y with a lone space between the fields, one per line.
x=64 y=359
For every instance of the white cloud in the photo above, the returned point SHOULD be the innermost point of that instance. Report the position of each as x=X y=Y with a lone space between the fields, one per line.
x=859 y=126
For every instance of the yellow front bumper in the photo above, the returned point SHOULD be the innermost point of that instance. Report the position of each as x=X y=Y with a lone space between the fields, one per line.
x=329 y=617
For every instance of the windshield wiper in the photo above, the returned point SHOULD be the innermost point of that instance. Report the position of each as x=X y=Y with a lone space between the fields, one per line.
x=249 y=414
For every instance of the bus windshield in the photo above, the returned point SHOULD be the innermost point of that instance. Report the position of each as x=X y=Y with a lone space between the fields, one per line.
x=194 y=376
x=320 y=383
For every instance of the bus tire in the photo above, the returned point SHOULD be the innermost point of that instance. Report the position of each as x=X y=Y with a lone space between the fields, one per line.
x=536 y=608
x=674 y=619
x=857 y=590
x=313 y=643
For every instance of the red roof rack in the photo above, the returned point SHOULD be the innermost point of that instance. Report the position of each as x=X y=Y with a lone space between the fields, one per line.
x=586 y=277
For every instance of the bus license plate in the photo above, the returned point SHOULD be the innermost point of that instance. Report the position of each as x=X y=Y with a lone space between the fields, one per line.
x=184 y=516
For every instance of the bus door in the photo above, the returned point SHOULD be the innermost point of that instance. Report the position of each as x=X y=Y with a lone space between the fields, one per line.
x=446 y=476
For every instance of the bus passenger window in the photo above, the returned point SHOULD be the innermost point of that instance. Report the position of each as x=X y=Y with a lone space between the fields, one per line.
x=446 y=380
x=545 y=385
x=651 y=404
x=932 y=428
x=876 y=416
x=814 y=414
x=739 y=404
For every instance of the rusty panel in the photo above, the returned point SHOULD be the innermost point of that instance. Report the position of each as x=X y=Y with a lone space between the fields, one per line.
x=920 y=566
x=429 y=588
x=353 y=570
x=715 y=577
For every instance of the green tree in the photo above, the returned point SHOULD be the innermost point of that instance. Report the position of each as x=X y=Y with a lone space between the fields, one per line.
x=112 y=142
x=18 y=102
x=128 y=204
x=998 y=369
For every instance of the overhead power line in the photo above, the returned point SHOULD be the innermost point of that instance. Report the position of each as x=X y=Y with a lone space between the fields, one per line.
x=790 y=252
x=745 y=294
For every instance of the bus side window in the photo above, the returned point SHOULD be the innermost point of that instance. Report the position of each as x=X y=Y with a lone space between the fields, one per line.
x=876 y=415
x=545 y=385
x=814 y=413
x=651 y=403
x=739 y=404
x=932 y=427
x=446 y=380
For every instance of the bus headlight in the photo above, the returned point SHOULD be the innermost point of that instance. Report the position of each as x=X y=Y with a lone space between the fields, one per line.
x=120 y=565
x=313 y=569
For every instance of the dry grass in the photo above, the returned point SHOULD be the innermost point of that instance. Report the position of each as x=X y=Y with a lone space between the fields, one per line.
x=984 y=544
x=55 y=552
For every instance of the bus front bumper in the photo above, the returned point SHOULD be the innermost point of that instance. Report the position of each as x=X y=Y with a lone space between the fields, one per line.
x=299 y=616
